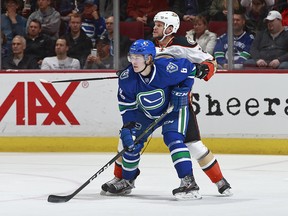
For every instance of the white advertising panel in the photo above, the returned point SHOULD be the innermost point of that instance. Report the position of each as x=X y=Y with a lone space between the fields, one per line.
x=229 y=105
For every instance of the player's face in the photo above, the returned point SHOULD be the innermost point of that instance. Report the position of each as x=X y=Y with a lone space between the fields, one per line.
x=158 y=29
x=138 y=62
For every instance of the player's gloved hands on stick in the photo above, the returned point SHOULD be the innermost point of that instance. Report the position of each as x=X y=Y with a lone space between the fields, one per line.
x=126 y=136
x=179 y=98
x=201 y=70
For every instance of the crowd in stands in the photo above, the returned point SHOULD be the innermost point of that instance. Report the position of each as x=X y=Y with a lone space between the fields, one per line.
x=54 y=32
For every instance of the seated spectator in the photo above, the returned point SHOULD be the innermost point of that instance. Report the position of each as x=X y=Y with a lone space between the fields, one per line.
x=12 y=24
x=248 y=3
x=4 y=49
x=80 y=44
x=103 y=59
x=37 y=44
x=66 y=8
x=28 y=7
x=61 y=60
x=124 y=45
x=218 y=9
x=49 y=18
x=270 y=47
x=18 y=60
x=242 y=44
x=201 y=34
x=256 y=11
x=92 y=23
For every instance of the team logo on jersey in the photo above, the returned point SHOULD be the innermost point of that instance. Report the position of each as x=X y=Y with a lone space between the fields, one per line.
x=151 y=100
x=124 y=74
x=171 y=67
x=191 y=41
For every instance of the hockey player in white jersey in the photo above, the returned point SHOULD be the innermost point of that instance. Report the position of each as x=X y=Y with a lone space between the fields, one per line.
x=168 y=44
x=145 y=90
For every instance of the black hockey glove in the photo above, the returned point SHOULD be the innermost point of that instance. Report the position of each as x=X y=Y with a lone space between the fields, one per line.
x=201 y=70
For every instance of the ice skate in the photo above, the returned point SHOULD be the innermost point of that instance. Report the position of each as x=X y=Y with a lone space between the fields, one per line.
x=122 y=187
x=106 y=185
x=188 y=189
x=224 y=187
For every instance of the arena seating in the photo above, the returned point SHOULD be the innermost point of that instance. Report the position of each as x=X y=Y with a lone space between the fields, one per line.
x=218 y=27
x=133 y=30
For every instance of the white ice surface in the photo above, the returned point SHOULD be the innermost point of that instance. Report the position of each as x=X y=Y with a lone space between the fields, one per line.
x=260 y=186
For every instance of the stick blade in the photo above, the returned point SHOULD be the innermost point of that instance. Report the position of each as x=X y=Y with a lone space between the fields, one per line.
x=58 y=199
x=44 y=81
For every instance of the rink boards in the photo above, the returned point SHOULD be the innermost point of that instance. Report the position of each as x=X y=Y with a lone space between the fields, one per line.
x=238 y=112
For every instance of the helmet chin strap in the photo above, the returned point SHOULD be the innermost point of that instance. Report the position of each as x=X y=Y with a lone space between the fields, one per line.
x=143 y=69
x=165 y=35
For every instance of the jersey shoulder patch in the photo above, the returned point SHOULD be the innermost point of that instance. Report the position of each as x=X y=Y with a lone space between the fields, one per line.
x=171 y=67
x=124 y=74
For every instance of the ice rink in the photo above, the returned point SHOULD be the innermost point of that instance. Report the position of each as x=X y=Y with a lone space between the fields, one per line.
x=259 y=183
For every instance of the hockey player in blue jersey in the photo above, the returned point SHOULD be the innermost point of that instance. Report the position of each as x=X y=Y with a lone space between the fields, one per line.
x=146 y=89
x=169 y=44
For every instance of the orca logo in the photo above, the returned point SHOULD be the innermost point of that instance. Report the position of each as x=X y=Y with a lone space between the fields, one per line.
x=151 y=100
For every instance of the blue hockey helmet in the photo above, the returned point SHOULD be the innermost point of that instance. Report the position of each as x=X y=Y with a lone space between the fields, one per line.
x=143 y=47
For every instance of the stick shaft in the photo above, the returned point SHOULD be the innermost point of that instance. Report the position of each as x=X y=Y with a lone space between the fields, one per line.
x=82 y=79
x=58 y=199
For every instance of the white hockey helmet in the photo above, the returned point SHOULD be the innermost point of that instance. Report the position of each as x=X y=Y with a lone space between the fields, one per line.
x=169 y=18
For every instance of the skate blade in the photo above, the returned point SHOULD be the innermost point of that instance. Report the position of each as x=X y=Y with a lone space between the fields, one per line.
x=227 y=193
x=103 y=193
x=192 y=195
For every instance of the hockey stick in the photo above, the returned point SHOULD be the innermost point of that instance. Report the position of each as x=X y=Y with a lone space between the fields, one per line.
x=77 y=80
x=61 y=199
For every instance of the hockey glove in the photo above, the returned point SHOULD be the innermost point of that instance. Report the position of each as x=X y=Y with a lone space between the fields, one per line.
x=212 y=68
x=126 y=136
x=201 y=70
x=179 y=98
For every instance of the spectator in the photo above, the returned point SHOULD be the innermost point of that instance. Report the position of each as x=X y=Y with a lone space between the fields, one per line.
x=144 y=11
x=256 y=11
x=12 y=24
x=4 y=49
x=49 y=18
x=125 y=42
x=19 y=60
x=66 y=8
x=201 y=34
x=270 y=47
x=92 y=23
x=242 y=44
x=106 y=8
x=61 y=60
x=37 y=44
x=103 y=59
x=218 y=9
x=80 y=44
x=248 y=3
x=28 y=7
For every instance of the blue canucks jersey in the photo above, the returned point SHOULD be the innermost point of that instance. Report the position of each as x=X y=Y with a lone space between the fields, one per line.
x=241 y=48
x=152 y=94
